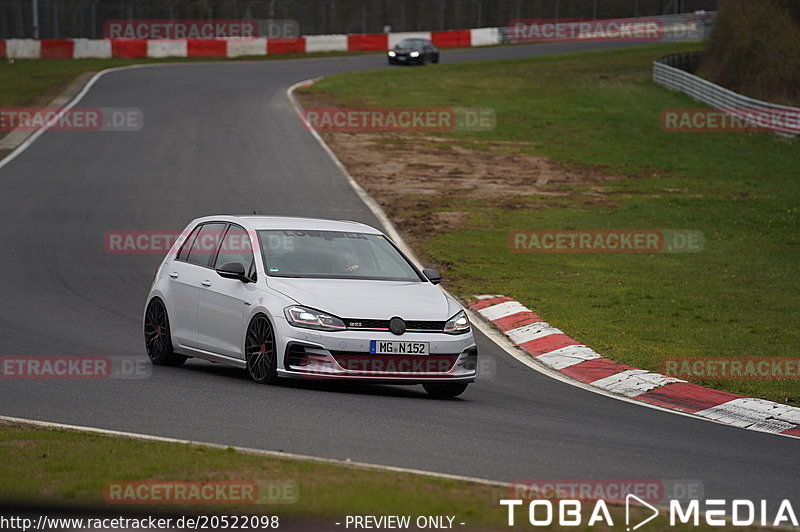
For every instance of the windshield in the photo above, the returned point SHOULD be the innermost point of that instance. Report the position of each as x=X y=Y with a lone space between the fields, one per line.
x=333 y=255
x=411 y=43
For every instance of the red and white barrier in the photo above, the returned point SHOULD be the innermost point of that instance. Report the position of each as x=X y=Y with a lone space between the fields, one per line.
x=673 y=26
x=86 y=48
x=326 y=43
x=234 y=47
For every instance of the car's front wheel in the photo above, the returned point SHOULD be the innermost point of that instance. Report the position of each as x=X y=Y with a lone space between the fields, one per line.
x=262 y=360
x=445 y=389
x=157 y=339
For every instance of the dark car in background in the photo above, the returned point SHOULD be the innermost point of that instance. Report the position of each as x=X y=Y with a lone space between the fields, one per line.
x=413 y=51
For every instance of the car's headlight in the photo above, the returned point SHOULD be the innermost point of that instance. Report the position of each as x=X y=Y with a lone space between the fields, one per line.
x=392 y=53
x=313 y=319
x=458 y=324
x=414 y=54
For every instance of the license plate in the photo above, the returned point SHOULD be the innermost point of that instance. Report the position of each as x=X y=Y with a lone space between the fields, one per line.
x=379 y=347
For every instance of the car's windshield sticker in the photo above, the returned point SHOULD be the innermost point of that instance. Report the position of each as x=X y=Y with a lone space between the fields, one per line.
x=327 y=235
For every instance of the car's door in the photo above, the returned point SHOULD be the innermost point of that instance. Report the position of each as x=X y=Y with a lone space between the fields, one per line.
x=186 y=273
x=223 y=301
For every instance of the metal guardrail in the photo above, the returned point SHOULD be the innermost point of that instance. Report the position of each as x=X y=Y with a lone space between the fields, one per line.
x=675 y=72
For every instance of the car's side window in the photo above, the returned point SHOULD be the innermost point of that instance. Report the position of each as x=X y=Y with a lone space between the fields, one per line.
x=205 y=244
x=183 y=254
x=236 y=247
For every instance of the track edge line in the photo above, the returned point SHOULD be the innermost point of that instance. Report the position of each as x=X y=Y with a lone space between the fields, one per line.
x=8 y=420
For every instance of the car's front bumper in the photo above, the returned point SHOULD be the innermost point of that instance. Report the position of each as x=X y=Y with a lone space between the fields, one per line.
x=312 y=354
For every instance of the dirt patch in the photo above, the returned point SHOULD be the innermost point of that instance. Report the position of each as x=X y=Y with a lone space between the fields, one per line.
x=429 y=183
x=419 y=179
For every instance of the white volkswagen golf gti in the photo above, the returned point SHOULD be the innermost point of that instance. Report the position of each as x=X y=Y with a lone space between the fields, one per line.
x=306 y=298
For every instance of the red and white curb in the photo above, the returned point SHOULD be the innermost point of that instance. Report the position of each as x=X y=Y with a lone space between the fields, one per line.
x=559 y=352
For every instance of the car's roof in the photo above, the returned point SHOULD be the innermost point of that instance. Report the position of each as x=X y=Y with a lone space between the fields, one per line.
x=293 y=223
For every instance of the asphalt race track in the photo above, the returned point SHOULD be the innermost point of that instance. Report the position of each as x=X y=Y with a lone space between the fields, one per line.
x=223 y=138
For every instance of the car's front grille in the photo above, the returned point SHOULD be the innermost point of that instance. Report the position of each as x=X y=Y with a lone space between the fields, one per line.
x=383 y=325
x=300 y=357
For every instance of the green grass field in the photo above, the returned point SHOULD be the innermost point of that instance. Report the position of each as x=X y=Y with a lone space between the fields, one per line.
x=71 y=469
x=739 y=297
x=61 y=468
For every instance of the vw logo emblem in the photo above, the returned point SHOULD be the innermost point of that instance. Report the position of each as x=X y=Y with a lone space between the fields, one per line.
x=397 y=326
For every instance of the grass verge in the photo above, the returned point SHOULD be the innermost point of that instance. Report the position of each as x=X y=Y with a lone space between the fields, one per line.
x=65 y=468
x=72 y=468
x=600 y=112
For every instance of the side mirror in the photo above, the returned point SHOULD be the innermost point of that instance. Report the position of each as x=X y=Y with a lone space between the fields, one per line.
x=233 y=270
x=433 y=276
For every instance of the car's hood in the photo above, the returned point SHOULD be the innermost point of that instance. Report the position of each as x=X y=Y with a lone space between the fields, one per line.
x=377 y=300
x=407 y=50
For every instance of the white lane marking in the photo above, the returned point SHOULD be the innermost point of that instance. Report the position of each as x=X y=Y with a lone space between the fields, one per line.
x=495 y=312
x=36 y=134
x=532 y=332
x=750 y=412
x=568 y=356
x=248 y=450
x=634 y=382
x=487 y=297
